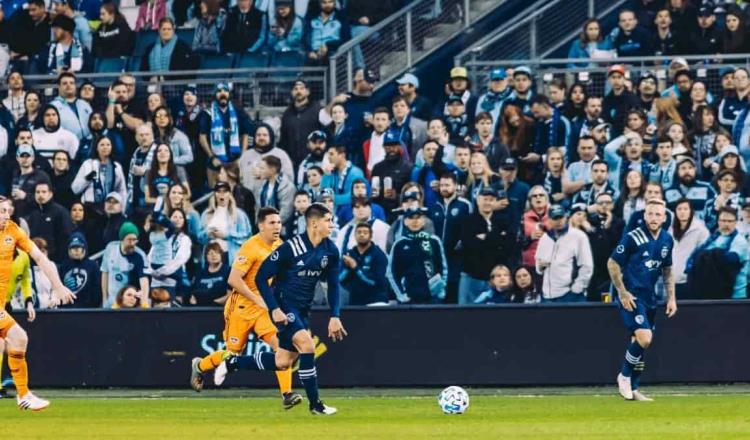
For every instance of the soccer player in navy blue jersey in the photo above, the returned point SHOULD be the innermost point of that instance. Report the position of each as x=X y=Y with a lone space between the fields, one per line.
x=643 y=255
x=296 y=267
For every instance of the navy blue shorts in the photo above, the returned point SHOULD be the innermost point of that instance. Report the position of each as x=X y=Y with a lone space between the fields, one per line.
x=641 y=317
x=298 y=321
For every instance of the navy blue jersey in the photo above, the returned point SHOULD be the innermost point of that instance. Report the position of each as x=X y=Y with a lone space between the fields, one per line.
x=296 y=267
x=642 y=258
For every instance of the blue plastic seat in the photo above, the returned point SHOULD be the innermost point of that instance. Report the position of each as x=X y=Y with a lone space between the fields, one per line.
x=212 y=62
x=110 y=65
x=186 y=35
x=256 y=60
x=287 y=59
x=142 y=40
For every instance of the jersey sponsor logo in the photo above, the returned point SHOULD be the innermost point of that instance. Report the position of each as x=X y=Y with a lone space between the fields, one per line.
x=652 y=264
x=620 y=249
x=324 y=261
x=639 y=319
x=309 y=273
x=275 y=256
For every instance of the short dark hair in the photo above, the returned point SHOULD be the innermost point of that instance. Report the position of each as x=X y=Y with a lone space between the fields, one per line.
x=265 y=212
x=361 y=201
x=449 y=175
x=382 y=110
x=541 y=100
x=273 y=162
x=316 y=211
x=47 y=184
x=600 y=162
x=65 y=75
x=590 y=97
x=364 y=225
x=482 y=116
x=316 y=168
x=38 y=3
x=399 y=98
x=663 y=139
x=727 y=210
x=463 y=145
x=23 y=129
x=586 y=137
x=340 y=148
x=302 y=192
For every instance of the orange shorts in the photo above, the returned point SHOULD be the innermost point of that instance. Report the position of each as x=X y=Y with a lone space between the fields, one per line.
x=239 y=322
x=6 y=323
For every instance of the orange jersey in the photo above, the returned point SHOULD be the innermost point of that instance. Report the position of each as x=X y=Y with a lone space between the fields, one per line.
x=248 y=260
x=10 y=238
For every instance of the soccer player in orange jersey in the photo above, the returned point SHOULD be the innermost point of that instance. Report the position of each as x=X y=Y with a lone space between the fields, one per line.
x=245 y=310
x=12 y=337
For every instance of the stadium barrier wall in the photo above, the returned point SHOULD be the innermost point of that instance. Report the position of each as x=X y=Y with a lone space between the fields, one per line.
x=411 y=346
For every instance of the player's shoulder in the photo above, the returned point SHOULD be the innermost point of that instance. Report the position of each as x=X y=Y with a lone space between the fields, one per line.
x=12 y=229
x=638 y=236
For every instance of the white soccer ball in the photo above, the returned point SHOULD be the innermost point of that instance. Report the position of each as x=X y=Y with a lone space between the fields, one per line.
x=453 y=400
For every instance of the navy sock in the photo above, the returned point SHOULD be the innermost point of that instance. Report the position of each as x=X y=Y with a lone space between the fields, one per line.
x=261 y=361
x=309 y=376
x=635 y=378
x=632 y=356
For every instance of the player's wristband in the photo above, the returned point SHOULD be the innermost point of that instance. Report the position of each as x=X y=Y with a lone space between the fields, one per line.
x=29 y=301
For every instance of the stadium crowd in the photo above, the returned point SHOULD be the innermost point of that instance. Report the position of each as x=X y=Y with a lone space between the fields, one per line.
x=506 y=196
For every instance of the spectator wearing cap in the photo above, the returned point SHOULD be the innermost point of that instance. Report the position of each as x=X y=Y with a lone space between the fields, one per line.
x=316 y=146
x=389 y=176
x=629 y=39
x=604 y=230
x=591 y=43
x=428 y=174
x=98 y=176
x=341 y=177
x=114 y=38
x=340 y=131
x=65 y=52
x=167 y=53
x=274 y=188
x=362 y=212
x=123 y=264
x=515 y=189
x=736 y=86
x=647 y=91
x=74 y=112
x=417 y=267
x=299 y=119
x=719 y=267
x=551 y=129
x=80 y=274
x=665 y=38
x=114 y=217
x=224 y=132
x=24 y=179
x=687 y=186
x=224 y=222
x=373 y=149
x=564 y=259
x=211 y=25
x=522 y=90
x=245 y=28
x=618 y=101
x=484 y=140
x=705 y=38
x=457 y=120
x=325 y=32
x=286 y=29
x=412 y=130
x=688 y=232
x=411 y=197
x=449 y=214
x=583 y=125
x=727 y=195
x=82 y=32
x=50 y=221
x=487 y=239
x=420 y=106
x=263 y=145
x=363 y=270
x=31 y=32
x=493 y=100
x=459 y=86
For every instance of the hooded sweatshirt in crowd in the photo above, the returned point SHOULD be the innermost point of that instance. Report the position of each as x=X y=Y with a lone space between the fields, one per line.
x=250 y=158
x=49 y=140
x=82 y=277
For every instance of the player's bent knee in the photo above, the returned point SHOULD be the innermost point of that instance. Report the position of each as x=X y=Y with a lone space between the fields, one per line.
x=304 y=342
x=644 y=338
x=17 y=339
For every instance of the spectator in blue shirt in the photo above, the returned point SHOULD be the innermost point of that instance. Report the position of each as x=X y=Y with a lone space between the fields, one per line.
x=286 y=32
x=591 y=43
x=342 y=177
x=363 y=270
x=325 y=32
x=629 y=39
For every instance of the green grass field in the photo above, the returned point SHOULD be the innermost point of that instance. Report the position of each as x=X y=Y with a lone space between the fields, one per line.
x=576 y=413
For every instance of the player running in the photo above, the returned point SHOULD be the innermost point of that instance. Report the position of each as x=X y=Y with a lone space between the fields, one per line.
x=13 y=338
x=245 y=310
x=296 y=267
x=642 y=256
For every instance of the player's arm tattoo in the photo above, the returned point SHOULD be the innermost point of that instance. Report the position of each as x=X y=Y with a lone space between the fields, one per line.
x=615 y=273
x=668 y=276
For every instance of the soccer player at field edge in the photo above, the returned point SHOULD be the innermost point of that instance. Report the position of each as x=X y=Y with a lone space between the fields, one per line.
x=642 y=256
x=245 y=310
x=12 y=336
x=20 y=276
x=296 y=267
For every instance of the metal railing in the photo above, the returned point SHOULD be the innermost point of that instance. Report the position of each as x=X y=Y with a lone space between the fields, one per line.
x=545 y=26
x=403 y=39
x=593 y=75
x=254 y=87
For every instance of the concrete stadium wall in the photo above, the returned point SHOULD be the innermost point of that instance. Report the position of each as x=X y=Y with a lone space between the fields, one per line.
x=418 y=346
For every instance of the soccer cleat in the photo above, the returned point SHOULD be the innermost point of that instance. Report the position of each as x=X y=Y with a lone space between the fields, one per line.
x=623 y=383
x=640 y=397
x=196 y=377
x=291 y=399
x=321 y=409
x=30 y=401
x=221 y=372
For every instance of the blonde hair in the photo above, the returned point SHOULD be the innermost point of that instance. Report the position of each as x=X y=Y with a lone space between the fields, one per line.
x=232 y=207
x=486 y=172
